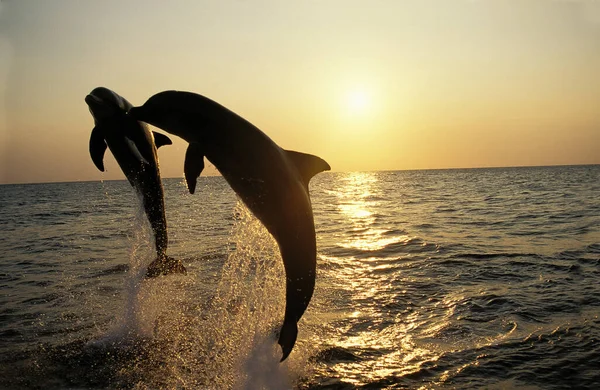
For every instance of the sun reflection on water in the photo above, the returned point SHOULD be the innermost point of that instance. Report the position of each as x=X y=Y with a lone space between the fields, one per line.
x=358 y=196
x=384 y=344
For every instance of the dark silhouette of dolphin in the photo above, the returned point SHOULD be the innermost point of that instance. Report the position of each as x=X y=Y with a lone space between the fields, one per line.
x=134 y=148
x=272 y=182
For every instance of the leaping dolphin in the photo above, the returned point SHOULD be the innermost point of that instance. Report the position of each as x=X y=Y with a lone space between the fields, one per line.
x=272 y=182
x=134 y=148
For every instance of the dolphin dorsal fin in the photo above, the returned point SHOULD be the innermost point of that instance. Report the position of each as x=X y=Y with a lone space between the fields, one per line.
x=161 y=139
x=193 y=165
x=97 y=148
x=307 y=164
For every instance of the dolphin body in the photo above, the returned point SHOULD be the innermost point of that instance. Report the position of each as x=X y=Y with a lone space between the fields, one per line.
x=134 y=148
x=272 y=182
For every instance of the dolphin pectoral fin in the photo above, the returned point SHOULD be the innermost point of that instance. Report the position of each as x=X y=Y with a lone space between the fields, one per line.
x=136 y=151
x=193 y=165
x=97 y=148
x=140 y=142
x=287 y=338
x=161 y=139
x=307 y=164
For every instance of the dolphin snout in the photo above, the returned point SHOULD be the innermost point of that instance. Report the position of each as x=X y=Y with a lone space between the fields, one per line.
x=91 y=100
x=134 y=112
x=141 y=113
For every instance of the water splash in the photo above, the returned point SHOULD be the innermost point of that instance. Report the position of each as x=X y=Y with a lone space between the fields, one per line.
x=246 y=309
x=190 y=339
x=135 y=319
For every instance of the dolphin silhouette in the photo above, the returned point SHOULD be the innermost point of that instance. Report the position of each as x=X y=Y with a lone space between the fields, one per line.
x=134 y=148
x=272 y=182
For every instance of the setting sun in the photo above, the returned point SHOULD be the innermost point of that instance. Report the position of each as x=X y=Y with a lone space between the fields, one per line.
x=358 y=101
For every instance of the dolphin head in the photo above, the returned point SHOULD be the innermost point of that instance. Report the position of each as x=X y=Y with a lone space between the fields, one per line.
x=104 y=103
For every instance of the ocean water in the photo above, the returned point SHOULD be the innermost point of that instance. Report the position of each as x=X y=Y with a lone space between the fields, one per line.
x=449 y=279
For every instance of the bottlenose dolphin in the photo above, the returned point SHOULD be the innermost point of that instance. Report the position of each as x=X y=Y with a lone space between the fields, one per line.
x=272 y=182
x=134 y=148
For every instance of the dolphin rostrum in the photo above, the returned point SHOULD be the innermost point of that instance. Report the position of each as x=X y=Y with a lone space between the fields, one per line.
x=271 y=181
x=134 y=148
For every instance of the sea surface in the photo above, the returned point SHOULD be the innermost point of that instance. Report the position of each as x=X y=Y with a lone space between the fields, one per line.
x=433 y=279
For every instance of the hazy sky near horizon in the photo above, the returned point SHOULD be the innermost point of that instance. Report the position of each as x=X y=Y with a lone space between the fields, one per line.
x=371 y=85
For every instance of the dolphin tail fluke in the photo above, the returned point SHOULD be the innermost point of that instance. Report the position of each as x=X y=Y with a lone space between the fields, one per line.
x=165 y=265
x=287 y=338
x=307 y=164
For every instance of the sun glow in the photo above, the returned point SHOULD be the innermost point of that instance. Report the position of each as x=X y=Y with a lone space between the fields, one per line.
x=358 y=101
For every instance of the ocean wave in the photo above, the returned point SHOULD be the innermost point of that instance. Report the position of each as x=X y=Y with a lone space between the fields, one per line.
x=507 y=255
x=116 y=269
x=335 y=355
x=399 y=247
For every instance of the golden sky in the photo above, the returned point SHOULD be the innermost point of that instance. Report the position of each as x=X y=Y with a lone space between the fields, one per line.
x=366 y=85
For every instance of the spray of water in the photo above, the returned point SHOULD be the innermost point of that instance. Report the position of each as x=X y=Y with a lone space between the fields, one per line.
x=133 y=322
x=186 y=339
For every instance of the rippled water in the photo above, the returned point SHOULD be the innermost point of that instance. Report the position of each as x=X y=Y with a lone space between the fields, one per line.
x=426 y=279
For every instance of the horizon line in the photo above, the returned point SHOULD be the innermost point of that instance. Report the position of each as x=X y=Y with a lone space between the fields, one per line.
x=357 y=171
